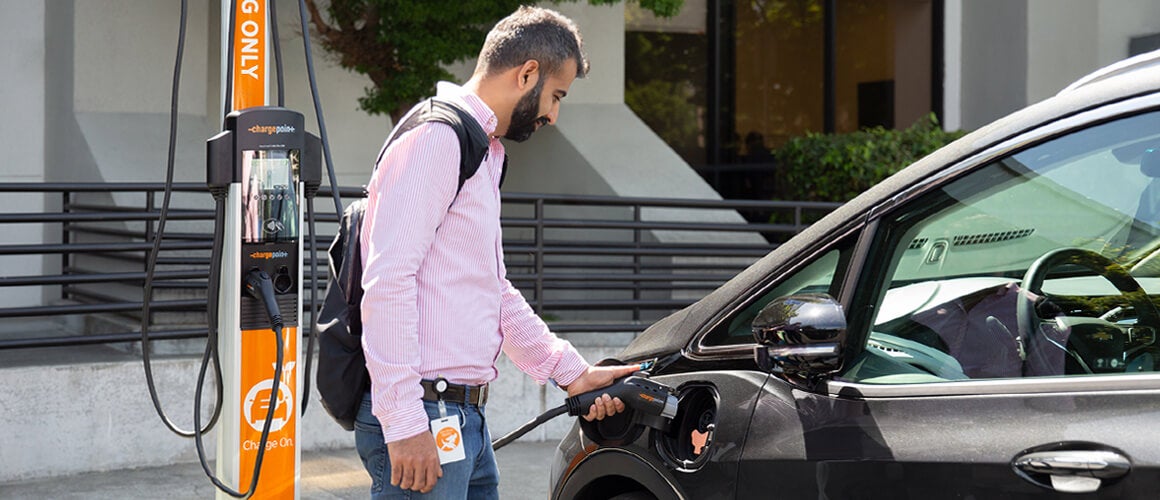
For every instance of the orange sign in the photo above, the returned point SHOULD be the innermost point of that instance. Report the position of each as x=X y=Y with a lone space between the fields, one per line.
x=259 y=355
x=249 y=71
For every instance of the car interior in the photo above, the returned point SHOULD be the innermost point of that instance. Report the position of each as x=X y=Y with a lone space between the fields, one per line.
x=1036 y=265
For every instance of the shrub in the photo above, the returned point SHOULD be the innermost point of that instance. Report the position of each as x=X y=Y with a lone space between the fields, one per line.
x=837 y=167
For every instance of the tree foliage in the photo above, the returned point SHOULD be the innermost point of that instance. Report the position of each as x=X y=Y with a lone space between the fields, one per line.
x=404 y=45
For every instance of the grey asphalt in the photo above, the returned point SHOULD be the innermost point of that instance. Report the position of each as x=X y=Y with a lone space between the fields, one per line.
x=332 y=474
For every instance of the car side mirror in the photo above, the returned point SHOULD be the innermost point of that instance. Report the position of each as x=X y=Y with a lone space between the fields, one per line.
x=800 y=335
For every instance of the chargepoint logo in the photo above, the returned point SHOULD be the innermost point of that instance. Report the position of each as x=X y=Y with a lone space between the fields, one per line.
x=272 y=129
x=269 y=255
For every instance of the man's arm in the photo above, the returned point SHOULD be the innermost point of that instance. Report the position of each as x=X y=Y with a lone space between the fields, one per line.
x=538 y=352
x=409 y=196
x=533 y=348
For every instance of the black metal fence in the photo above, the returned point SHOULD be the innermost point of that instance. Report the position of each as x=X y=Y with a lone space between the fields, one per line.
x=585 y=263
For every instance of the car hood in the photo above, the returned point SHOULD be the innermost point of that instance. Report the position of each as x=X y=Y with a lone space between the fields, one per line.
x=675 y=332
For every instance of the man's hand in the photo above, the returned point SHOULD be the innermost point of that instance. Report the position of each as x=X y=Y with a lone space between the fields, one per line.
x=415 y=463
x=595 y=378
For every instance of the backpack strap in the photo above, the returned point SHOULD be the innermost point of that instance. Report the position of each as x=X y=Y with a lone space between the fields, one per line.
x=473 y=141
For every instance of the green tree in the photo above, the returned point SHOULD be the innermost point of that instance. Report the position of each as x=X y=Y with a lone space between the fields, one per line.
x=403 y=45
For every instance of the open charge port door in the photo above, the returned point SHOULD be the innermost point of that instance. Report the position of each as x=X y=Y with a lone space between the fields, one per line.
x=687 y=443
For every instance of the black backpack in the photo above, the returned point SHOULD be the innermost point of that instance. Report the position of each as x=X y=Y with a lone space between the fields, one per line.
x=342 y=374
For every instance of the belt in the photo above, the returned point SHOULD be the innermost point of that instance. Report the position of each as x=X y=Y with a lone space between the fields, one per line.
x=440 y=388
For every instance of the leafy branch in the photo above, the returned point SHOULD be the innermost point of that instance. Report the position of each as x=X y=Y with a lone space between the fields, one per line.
x=404 y=45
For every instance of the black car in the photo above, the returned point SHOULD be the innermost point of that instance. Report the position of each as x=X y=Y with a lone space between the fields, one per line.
x=981 y=325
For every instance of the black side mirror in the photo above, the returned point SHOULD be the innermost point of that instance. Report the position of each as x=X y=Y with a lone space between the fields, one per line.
x=800 y=335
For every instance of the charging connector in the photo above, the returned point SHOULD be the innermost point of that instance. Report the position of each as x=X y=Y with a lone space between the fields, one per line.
x=639 y=393
x=259 y=286
x=652 y=404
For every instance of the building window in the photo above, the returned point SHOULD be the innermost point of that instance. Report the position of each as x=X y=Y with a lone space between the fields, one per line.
x=728 y=81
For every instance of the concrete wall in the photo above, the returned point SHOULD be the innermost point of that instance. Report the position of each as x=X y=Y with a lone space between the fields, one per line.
x=1061 y=44
x=88 y=417
x=994 y=60
x=1120 y=20
x=1003 y=55
x=952 y=118
x=22 y=97
x=1071 y=38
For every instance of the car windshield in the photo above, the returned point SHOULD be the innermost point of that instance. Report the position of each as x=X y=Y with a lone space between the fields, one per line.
x=1074 y=221
x=1084 y=190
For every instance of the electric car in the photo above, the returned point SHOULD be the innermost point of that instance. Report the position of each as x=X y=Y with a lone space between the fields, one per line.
x=982 y=324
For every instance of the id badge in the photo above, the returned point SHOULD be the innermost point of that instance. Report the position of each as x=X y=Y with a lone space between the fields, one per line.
x=448 y=439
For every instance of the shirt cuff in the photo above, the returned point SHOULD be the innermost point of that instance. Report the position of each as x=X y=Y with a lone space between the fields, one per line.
x=570 y=368
x=404 y=422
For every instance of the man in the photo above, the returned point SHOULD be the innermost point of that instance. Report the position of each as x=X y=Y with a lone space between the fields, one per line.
x=437 y=307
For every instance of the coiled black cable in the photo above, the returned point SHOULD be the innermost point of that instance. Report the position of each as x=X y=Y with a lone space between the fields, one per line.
x=151 y=263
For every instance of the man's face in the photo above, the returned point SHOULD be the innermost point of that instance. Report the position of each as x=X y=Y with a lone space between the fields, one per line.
x=526 y=116
x=537 y=108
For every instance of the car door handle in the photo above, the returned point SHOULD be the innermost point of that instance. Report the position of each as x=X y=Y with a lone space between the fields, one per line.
x=1073 y=471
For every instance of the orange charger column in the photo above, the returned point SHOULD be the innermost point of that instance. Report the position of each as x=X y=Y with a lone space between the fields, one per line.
x=248 y=356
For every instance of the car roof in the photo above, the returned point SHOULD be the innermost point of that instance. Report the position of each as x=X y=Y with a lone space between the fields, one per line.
x=1130 y=78
x=1121 y=69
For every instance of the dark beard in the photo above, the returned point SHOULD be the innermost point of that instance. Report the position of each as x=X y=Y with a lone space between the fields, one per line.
x=523 y=121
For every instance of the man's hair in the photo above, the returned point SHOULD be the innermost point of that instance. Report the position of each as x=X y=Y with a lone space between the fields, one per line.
x=533 y=33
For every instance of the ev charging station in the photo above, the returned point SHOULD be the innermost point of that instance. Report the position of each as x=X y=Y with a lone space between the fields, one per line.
x=260 y=170
x=263 y=162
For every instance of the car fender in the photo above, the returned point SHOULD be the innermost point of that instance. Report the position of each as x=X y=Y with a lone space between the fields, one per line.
x=608 y=466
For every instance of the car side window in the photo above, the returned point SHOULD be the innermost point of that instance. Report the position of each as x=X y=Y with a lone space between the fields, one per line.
x=1041 y=263
x=818 y=276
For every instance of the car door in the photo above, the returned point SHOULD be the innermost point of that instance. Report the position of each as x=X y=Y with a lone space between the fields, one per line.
x=1002 y=338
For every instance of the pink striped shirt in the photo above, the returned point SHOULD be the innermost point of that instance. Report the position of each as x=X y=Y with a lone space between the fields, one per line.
x=437 y=300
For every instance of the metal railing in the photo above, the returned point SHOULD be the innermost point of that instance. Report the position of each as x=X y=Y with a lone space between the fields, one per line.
x=585 y=263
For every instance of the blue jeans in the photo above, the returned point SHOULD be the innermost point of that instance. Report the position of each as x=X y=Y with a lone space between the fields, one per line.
x=475 y=477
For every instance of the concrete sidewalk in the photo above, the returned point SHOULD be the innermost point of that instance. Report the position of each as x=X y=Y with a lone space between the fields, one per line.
x=332 y=474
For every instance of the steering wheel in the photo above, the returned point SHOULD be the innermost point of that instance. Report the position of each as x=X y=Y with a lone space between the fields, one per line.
x=1028 y=318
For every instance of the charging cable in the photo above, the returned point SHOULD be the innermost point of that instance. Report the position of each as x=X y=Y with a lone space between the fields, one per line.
x=151 y=262
x=637 y=392
x=310 y=192
x=259 y=286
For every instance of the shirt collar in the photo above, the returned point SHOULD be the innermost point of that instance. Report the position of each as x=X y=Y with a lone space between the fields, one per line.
x=479 y=109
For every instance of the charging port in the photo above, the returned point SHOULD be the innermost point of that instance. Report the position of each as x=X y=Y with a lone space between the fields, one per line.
x=686 y=444
x=283 y=283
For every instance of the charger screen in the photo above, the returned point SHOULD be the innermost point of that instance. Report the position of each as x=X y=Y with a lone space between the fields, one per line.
x=269 y=195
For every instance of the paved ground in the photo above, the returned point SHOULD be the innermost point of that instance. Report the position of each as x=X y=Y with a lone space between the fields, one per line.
x=335 y=474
